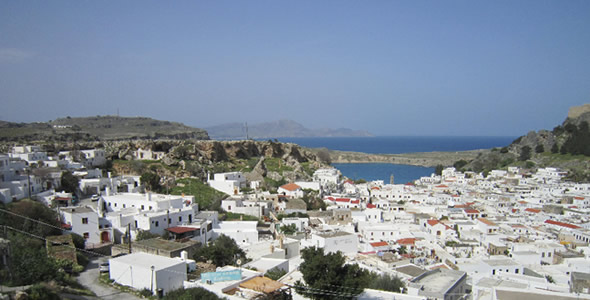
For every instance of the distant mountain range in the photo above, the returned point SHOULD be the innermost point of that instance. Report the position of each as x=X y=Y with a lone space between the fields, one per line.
x=277 y=129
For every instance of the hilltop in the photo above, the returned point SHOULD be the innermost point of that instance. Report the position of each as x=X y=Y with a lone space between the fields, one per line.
x=567 y=146
x=98 y=128
x=277 y=129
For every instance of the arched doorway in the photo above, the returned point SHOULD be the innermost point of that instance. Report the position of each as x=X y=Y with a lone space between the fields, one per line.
x=104 y=237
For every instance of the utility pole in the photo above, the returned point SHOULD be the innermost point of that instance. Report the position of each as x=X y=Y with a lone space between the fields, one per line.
x=129 y=236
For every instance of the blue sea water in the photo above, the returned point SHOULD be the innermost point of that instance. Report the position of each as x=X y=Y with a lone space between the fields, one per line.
x=403 y=144
x=396 y=145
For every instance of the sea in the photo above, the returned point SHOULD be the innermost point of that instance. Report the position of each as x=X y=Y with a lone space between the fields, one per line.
x=397 y=145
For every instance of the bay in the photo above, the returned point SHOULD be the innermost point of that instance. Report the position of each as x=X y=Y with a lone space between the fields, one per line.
x=403 y=144
x=378 y=171
x=396 y=145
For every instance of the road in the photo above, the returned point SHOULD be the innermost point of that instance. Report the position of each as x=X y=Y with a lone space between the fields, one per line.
x=89 y=278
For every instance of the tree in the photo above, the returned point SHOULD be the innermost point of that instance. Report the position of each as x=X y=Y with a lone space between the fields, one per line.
x=539 y=148
x=150 y=180
x=324 y=155
x=438 y=169
x=386 y=282
x=69 y=182
x=24 y=214
x=145 y=235
x=525 y=153
x=192 y=293
x=324 y=271
x=460 y=164
x=275 y=273
x=555 y=148
x=223 y=251
x=289 y=229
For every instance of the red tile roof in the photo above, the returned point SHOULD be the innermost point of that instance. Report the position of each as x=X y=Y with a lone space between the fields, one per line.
x=379 y=244
x=179 y=230
x=472 y=211
x=432 y=222
x=370 y=205
x=66 y=226
x=533 y=210
x=487 y=222
x=375 y=188
x=442 y=186
x=579 y=198
x=290 y=187
x=342 y=199
x=355 y=201
x=572 y=226
x=406 y=241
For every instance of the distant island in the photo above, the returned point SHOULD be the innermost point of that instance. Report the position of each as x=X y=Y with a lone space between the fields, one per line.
x=278 y=129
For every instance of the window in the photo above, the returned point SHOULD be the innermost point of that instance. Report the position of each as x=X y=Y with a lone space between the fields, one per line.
x=84 y=220
x=86 y=235
x=123 y=205
x=515 y=271
x=150 y=208
x=142 y=207
x=115 y=204
x=169 y=220
x=157 y=223
x=180 y=219
x=543 y=254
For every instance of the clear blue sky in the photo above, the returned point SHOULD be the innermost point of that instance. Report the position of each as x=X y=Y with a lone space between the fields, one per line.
x=389 y=67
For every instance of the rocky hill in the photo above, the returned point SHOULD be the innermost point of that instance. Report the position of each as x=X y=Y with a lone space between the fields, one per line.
x=567 y=146
x=103 y=128
x=277 y=129
x=258 y=159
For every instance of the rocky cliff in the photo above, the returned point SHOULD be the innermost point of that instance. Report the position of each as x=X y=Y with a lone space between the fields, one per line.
x=196 y=158
x=567 y=146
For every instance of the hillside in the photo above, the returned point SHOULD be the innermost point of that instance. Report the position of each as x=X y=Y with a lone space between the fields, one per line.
x=277 y=129
x=103 y=128
x=567 y=146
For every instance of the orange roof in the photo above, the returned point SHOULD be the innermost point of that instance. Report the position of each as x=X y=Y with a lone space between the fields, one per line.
x=290 y=187
x=533 y=210
x=371 y=205
x=375 y=188
x=487 y=222
x=579 y=198
x=472 y=211
x=355 y=201
x=379 y=244
x=180 y=229
x=441 y=186
x=432 y=222
x=406 y=241
x=572 y=226
x=262 y=284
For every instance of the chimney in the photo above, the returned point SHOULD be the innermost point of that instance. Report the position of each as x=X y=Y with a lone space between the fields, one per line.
x=108 y=191
x=272 y=248
x=184 y=255
x=148 y=196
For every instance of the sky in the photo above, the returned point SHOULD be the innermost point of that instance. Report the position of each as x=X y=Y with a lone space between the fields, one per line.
x=473 y=68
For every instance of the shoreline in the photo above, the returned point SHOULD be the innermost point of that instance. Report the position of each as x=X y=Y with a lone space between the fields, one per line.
x=422 y=159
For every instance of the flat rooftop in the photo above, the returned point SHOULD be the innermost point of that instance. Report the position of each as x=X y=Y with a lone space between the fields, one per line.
x=77 y=209
x=334 y=234
x=500 y=262
x=146 y=260
x=438 y=281
x=163 y=244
